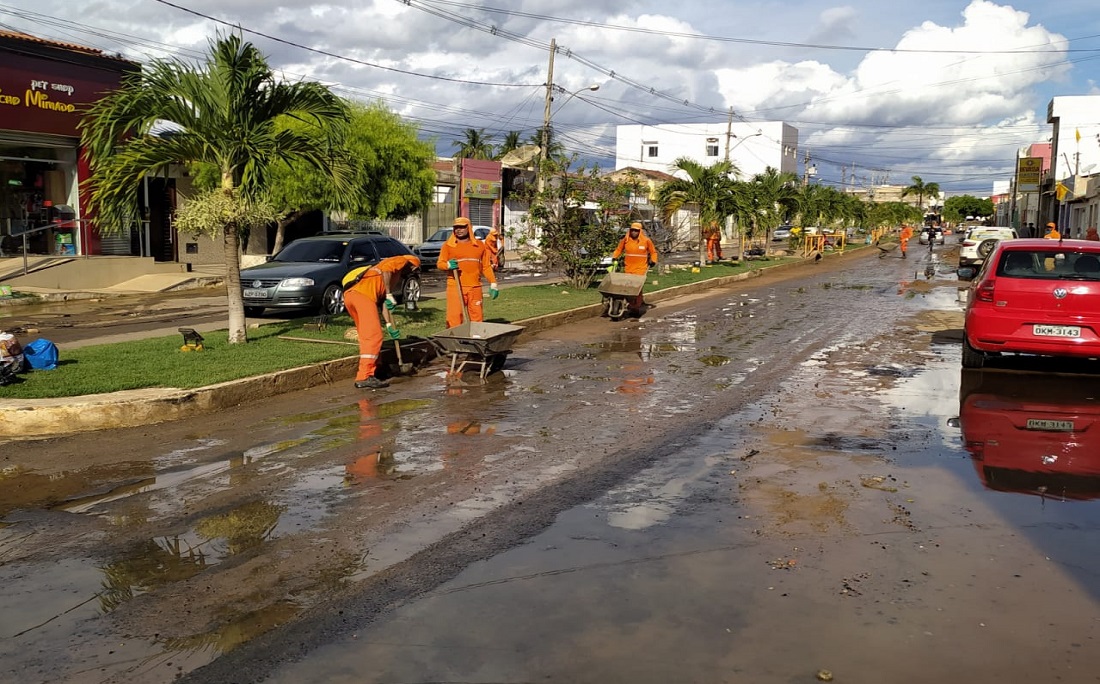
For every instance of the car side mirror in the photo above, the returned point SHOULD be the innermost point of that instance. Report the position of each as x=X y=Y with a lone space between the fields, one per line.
x=966 y=272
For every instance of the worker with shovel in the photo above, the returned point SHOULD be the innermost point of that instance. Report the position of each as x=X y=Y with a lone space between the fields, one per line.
x=638 y=253
x=365 y=289
x=468 y=259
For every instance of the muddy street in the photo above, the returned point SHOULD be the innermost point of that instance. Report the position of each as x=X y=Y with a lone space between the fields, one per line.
x=782 y=480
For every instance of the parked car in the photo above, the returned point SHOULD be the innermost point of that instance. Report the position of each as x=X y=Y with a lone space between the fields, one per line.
x=976 y=246
x=933 y=234
x=1035 y=296
x=781 y=233
x=306 y=274
x=1032 y=437
x=428 y=251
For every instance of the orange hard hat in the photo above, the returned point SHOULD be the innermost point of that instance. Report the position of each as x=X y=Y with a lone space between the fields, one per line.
x=461 y=222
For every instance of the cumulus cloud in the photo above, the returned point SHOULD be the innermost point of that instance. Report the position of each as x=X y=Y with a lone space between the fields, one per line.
x=918 y=102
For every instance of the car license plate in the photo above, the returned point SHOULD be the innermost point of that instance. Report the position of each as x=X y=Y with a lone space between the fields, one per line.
x=1056 y=331
x=255 y=294
x=1049 y=425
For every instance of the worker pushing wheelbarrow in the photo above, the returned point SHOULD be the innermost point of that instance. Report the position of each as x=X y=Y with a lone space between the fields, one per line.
x=468 y=339
x=622 y=292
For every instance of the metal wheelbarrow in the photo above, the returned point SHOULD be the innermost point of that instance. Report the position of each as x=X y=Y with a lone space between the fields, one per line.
x=478 y=345
x=618 y=289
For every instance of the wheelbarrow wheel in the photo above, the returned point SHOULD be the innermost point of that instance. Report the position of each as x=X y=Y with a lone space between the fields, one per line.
x=497 y=362
x=616 y=309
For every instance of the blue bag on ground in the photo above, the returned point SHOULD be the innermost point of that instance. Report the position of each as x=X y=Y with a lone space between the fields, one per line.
x=41 y=354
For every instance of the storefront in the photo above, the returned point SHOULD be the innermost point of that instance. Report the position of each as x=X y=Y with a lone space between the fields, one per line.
x=44 y=86
x=481 y=185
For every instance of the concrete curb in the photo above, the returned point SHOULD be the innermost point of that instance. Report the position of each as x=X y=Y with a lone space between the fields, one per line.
x=36 y=418
x=132 y=408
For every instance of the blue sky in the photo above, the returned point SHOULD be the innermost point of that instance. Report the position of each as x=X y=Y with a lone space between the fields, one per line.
x=947 y=90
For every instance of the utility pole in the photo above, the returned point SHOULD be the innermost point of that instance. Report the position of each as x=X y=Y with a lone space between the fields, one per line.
x=544 y=139
x=729 y=133
x=806 y=171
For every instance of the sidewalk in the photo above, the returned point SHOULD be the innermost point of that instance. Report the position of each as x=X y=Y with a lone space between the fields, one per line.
x=201 y=275
x=37 y=418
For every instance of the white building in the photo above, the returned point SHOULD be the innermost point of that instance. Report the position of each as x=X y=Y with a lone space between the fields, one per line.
x=1075 y=159
x=1073 y=115
x=752 y=147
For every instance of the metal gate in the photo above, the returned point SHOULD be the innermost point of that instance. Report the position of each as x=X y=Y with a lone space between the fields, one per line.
x=481 y=211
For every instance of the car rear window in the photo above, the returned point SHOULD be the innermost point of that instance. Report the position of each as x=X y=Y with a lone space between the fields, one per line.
x=390 y=248
x=1050 y=264
x=312 y=251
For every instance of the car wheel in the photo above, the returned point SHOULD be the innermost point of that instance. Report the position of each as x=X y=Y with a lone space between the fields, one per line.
x=332 y=301
x=986 y=247
x=971 y=357
x=410 y=291
x=253 y=311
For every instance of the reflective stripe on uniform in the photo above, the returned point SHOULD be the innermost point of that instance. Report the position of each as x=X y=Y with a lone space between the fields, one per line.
x=368 y=356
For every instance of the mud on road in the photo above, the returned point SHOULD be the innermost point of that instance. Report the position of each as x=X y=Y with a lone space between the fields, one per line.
x=766 y=426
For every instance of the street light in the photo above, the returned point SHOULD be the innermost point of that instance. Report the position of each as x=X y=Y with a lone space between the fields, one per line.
x=544 y=142
x=739 y=141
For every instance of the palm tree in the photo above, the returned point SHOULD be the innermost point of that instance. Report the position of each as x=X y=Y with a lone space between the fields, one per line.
x=921 y=190
x=512 y=141
x=477 y=144
x=223 y=113
x=775 y=197
x=707 y=187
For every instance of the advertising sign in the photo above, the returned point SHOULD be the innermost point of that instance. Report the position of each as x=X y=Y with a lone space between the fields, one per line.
x=46 y=96
x=482 y=189
x=1029 y=174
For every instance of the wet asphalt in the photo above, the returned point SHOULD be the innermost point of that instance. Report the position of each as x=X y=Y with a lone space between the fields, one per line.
x=774 y=483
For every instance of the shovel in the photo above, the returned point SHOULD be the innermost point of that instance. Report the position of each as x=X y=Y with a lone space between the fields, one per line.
x=465 y=309
x=402 y=367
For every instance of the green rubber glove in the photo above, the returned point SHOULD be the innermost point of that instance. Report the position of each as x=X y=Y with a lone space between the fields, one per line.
x=390 y=302
x=393 y=332
x=493 y=291
x=452 y=264
x=611 y=268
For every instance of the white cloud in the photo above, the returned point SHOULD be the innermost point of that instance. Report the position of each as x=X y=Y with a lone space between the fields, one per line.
x=890 y=109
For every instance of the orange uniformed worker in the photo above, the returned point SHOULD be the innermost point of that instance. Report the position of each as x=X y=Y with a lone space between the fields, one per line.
x=714 y=242
x=638 y=255
x=365 y=288
x=494 y=244
x=1052 y=232
x=903 y=239
x=466 y=254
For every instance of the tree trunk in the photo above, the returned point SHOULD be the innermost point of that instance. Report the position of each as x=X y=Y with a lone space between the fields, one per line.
x=280 y=230
x=231 y=243
x=702 y=243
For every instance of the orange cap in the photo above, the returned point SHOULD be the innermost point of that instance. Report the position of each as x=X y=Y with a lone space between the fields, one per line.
x=635 y=226
x=461 y=221
x=1051 y=225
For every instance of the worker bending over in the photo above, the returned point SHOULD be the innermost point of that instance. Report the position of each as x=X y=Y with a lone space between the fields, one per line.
x=365 y=290
x=714 y=243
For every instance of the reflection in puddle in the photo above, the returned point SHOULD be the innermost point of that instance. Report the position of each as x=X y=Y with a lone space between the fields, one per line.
x=152 y=564
x=240 y=629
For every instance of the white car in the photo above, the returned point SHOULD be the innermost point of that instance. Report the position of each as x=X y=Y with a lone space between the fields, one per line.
x=978 y=243
x=781 y=233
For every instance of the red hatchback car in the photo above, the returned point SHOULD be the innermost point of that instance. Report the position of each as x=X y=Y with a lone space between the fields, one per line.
x=1035 y=296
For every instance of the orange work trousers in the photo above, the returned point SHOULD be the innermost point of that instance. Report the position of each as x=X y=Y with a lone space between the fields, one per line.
x=714 y=248
x=472 y=295
x=904 y=246
x=364 y=312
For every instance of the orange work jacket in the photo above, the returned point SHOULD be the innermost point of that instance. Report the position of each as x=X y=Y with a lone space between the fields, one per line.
x=637 y=254
x=367 y=280
x=473 y=261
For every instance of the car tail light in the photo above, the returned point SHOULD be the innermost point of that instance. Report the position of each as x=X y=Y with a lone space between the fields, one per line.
x=969 y=243
x=985 y=290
